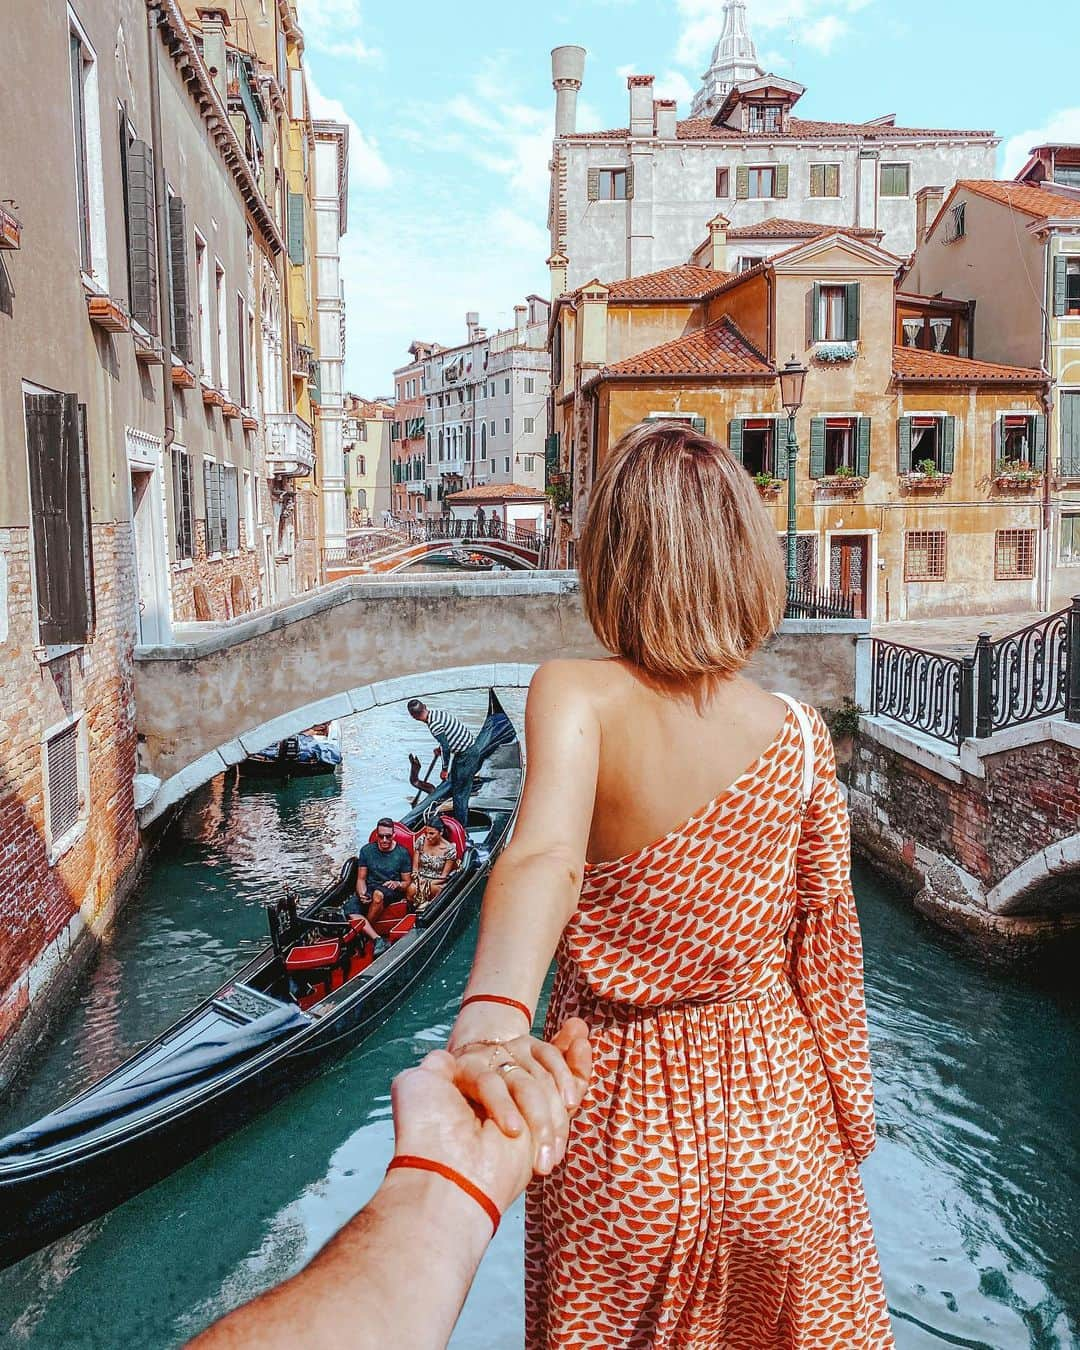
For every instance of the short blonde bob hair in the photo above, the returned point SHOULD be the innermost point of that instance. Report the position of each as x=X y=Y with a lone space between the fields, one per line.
x=681 y=570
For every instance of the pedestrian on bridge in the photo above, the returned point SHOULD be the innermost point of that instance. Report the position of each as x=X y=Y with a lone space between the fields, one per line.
x=460 y=758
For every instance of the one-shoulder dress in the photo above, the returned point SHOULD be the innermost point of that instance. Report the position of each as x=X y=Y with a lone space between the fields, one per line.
x=710 y=1197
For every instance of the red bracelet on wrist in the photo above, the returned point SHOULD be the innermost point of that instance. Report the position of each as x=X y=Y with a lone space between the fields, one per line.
x=499 y=998
x=411 y=1160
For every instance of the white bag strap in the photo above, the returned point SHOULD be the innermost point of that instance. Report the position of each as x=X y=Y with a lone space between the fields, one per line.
x=807 y=733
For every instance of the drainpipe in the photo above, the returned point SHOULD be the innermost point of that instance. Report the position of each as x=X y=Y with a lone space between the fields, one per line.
x=1048 y=407
x=154 y=19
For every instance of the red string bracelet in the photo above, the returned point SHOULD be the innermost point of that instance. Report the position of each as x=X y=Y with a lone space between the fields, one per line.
x=418 y=1164
x=499 y=998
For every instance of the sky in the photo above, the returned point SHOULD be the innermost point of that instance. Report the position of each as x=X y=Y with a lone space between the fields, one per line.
x=451 y=110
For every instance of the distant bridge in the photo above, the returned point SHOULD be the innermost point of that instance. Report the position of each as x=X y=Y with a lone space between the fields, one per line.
x=404 y=542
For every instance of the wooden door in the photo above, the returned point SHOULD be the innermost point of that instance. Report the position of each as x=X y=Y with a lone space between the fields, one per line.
x=849 y=568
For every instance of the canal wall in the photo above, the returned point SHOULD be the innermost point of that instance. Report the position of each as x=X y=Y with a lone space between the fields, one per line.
x=985 y=839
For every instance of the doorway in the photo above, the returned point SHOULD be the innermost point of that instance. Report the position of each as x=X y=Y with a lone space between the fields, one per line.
x=849 y=568
x=148 y=532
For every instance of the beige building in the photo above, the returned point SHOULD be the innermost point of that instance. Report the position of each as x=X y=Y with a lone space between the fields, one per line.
x=1013 y=250
x=368 y=460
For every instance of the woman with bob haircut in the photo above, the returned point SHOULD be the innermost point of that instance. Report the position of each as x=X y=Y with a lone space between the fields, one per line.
x=683 y=847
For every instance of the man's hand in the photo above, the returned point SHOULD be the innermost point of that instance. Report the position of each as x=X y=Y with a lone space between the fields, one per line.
x=443 y=775
x=433 y=1119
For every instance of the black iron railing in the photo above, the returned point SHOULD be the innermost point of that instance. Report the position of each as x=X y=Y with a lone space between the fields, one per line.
x=814 y=602
x=448 y=527
x=1018 y=678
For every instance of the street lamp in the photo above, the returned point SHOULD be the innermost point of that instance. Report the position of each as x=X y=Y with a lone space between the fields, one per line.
x=792 y=382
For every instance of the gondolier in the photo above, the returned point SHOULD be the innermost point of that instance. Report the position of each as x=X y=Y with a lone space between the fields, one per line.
x=459 y=754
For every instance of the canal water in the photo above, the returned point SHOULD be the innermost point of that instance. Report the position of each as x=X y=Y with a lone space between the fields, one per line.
x=974 y=1186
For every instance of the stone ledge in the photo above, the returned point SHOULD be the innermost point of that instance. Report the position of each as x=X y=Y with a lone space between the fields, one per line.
x=914 y=745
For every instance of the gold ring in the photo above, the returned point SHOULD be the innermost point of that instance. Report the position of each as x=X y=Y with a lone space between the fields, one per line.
x=509 y=1066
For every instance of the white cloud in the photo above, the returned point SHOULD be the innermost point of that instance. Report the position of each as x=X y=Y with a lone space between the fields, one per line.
x=367 y=168
x=817 y=23
x=824 y=33
x=333 y=27
x=1061 y=126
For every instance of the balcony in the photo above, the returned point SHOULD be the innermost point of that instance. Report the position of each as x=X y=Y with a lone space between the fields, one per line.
x=290 y=448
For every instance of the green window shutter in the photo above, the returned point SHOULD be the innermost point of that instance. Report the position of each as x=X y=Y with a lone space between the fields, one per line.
x=296 y=228
x=1059 y=286
x=999 y=438
x=735 y=437
x=630 y=183
x=817 y=447
x=817 y=180
x=781 y=185
x=698 y=424
x=1038 y=447
x=815 y=317
x=179 y=272
x=948 y=444
x=141 y=234
x=903 y=442
x=832 y=180
x=851 y=311
x=594 y=185
x=780 y=447
x=1070 y=434
x=862 y=447
x=742 y=182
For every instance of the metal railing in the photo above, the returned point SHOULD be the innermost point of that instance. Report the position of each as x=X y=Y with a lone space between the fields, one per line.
x=1018 y=678
x=446 y=527
x=816 y=602
x=360 y=548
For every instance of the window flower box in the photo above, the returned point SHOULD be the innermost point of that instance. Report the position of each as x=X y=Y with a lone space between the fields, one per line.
x=917 y=480
x=148 y=351
x=842 y=482
x=213 y=398
x=230 y=410
x=835 y=353
x=107 y=314
x=10 y=230
x=1016 y=474
x=767 y=486
x=182 y=378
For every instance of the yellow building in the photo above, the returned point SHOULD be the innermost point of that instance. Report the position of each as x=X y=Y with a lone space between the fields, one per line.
x=901 y=494
x=368 y=467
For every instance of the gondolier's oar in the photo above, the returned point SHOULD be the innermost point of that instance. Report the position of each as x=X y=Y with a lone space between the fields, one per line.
x=420 y=784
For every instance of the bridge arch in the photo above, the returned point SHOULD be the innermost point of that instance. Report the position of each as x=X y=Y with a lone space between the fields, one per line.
x=1046 y=883
x=514 y=555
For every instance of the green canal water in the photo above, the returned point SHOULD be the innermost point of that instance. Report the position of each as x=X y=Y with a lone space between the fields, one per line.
x=974 y=1186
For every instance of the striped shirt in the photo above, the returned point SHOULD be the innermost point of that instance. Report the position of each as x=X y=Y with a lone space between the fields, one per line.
x=451 y=733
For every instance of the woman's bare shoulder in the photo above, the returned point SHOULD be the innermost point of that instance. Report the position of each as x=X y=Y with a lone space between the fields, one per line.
x=581 y=681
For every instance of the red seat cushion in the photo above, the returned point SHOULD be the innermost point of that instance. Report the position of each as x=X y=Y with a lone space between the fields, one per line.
x=455 y=832
x=402 y=835
x=403 y=926
x=316 y=957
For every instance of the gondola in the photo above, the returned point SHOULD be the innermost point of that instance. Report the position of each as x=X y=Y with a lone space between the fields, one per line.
x=309 y=755
x=316 y=991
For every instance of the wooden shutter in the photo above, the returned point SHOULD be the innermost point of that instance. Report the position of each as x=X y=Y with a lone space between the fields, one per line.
x=630 y=183
x=1070 y=434
x=779 y=437
x=551 y=452
x=999 y=439
x=594 y=185
x=212 y=505
x=141 y=235
x=59 y=501
x=832 y=180
x=862 y=447
x=815 y=312
x=698 y=424
x=948 y=444
x=817 y=447
x=851 y=311
x=903 y=442
x=178 y=271
x=182 y=513
x=1060 y=285
x=296 y=228
x=1038 y=442
x=780 y=185
x=735 y=437
x=742 y=182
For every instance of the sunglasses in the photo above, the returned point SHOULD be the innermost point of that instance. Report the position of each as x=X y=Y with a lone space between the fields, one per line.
x=384 y=837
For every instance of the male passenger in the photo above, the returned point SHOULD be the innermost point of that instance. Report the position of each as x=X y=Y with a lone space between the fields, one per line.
x=459 y=754
x=383 y=873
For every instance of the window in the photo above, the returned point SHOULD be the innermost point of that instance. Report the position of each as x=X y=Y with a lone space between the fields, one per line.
x=765 y=117
x=296 y=94
x=222 y=329
x=506 y=386
x=241 y=333
x=824 y=180
x=761 y=182
x=506 y=426
x=213 y=503
x=140 y=226
x=183 y=514
x=249 y=512
x=723 y=180
x=758 y=439
x=1014 y=555
x=926 y=444
x=530 y=384
x=231 y=507
x=1066 y=286
x=81 y=66
x=1069 y=541
x=1021 y=440
x=610 y=185
x=747 y=261
x=506 y=464
x=493 y=426
x=924 y=555
x=839 y=444
x=832 y=314
x=528 y=463
x=202 y=282
x=66 y=775
x=483 y=440
x=957 y=223
x=60 y=514
x=529 y=425
x=895 y=180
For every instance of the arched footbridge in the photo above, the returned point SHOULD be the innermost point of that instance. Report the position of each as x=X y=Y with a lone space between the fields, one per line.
x=405 y=542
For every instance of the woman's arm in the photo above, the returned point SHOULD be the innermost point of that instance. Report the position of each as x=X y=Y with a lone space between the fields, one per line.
x=531 y=896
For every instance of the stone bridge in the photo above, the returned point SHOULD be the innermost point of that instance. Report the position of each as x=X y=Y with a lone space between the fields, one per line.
x=404 y=542
x=205 y=703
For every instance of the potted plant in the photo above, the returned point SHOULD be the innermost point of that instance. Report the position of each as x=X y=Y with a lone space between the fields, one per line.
x=925 y=474
x=835 y=353
x=1016 y=473
x=843 y=478
x=766 y=484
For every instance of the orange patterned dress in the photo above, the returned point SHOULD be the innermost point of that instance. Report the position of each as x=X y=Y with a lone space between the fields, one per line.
x=710 y=1198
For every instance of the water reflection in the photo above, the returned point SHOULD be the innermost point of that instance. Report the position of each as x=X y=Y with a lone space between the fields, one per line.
x=974 y=1187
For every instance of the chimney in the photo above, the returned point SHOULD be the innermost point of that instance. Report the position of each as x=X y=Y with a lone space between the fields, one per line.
x=594 y=298
x=557 y=267
x=214 y=21
x=539 y=309
x=928 y=202
x=567 y=72
x=718 y=228
x=472 y=323
x=520 y=319
x=665 y=118
x=641 y=109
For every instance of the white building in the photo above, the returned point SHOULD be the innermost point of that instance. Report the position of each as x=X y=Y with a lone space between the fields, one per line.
x=485 y=412
x=330 y=201
x=637 y=199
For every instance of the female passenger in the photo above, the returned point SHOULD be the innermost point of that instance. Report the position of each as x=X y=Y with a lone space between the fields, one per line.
x=434 y=858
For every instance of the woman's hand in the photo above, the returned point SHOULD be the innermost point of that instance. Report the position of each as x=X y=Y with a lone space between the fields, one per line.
x=522 y=1083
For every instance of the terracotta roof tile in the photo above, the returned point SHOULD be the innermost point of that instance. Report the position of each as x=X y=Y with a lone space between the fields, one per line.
x=719 y=350
x=498 y=492
x=673 y=283
x=912 y=363
x=1033 y=201
x=798 y=128
x=775 y=227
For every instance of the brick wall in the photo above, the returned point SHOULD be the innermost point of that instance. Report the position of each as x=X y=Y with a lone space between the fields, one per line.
x=39 y=901
x=231 y=583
